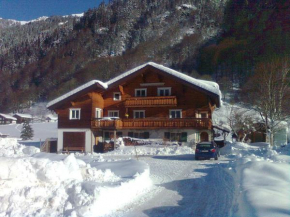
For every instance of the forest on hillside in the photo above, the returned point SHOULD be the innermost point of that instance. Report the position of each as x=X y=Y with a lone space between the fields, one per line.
x=215 y=39
x=46 y=59
x=254 y=33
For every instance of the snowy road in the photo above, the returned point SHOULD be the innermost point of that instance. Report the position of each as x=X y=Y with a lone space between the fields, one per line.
x=185 y=187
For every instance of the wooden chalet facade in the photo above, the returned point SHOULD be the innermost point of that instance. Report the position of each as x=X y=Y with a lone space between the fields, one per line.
x=7 y=119
x=149 y=101
x=21 y=118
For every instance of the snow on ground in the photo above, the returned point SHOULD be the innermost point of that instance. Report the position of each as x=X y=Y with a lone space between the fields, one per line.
x=10 y=148
x=42 y=131
x=263 y=176
x=62 y=185
x=247 y=180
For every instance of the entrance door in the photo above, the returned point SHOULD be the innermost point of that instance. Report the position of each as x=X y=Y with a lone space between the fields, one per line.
x=204 y=136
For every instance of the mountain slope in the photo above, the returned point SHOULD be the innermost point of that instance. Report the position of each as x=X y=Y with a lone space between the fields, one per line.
x=47 y=58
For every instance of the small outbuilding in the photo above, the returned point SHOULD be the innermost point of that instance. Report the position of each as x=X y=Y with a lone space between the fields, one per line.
x=51 y=118
x=7 y=119
x=22 y=117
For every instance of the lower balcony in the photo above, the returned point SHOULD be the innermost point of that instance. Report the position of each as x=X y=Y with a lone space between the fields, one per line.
x=156 y=123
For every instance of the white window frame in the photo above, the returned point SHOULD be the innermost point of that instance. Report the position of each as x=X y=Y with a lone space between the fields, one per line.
x=73 y=111
x=114 y=94
x=113 y=111
x=163 y=88
x=98 y=111
x=175 y=110
x=140 y=89
x=138 y=111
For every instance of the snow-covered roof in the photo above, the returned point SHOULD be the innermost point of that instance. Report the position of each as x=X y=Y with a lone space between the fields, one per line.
x=8 y=117
x=23 y=115
x=51 y=117
x=80 y=88
x=206 y=85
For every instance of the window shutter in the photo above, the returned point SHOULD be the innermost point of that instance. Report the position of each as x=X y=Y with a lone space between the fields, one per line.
x=146 y=135
x=167 y=135
x=184 y=137
x=130 y=134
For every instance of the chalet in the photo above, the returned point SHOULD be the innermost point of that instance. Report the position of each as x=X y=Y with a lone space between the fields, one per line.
x=51 y=118
x=7 y=119
x=22 y=117
x=149 y=101
x=260 y=134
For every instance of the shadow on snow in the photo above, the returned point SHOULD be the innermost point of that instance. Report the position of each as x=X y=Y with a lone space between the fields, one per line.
x=207 y=192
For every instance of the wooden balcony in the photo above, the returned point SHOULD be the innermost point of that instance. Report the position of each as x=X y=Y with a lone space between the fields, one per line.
x=158 y=123
x=151 y=101
x=107 y=124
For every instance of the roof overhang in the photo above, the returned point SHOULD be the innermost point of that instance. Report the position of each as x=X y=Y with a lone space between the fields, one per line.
x=209 y=88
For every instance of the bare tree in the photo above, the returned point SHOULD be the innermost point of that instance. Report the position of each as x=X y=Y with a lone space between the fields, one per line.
x=268 y=92
x=241 y=121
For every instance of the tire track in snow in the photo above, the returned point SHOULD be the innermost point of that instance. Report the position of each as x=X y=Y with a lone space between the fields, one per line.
x=185 y=187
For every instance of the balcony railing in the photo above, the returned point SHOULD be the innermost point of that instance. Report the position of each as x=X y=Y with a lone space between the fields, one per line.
x=107 y=124
x=148 y=123
x=151 y=101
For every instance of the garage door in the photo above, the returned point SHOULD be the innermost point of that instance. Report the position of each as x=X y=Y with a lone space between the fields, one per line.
x=74 y=141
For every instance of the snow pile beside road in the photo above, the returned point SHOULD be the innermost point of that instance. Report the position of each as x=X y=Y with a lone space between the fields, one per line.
x=267 y=187
x=263 y=174
x=61 y=185
x=152 y=150
x=9 y=148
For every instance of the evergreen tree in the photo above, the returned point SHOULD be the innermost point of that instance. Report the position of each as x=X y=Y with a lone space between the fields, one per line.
x=27 y=131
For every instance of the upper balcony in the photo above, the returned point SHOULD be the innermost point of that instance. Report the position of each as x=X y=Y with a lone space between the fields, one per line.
x=153 y=123
x=151 y=101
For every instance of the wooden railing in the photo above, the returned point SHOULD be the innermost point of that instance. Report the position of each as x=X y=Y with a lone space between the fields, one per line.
x=107 y=124
x=148 y=123
x=151 y=101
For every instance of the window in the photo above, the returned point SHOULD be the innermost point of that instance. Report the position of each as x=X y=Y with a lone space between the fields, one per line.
x=141 y=92
x=139 y=114
x=113 y=113
x=203 y=114
x=177 y=137
x=75 y=114
x=177 y=113
x=139 y=135
x=164 y=91
x=117 y=96
x=98 y=113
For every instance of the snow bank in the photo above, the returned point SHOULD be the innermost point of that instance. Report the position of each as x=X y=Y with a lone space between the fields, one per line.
x=263 y=174
x=61 y=185
x=10 y=148
x=152 y=150
x=267 y=187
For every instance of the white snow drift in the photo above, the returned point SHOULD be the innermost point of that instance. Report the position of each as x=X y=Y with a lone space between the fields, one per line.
x=56 y=185
x=264 y=179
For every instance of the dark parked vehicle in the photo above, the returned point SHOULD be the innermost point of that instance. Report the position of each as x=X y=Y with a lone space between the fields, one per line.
x=206 y=150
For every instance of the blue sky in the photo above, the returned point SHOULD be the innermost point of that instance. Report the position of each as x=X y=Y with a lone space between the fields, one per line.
x=24 y=10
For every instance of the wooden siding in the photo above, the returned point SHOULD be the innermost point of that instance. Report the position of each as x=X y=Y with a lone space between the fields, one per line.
x=187 y=99
x=190 y=100
x=189 y=123
x=85 y=104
